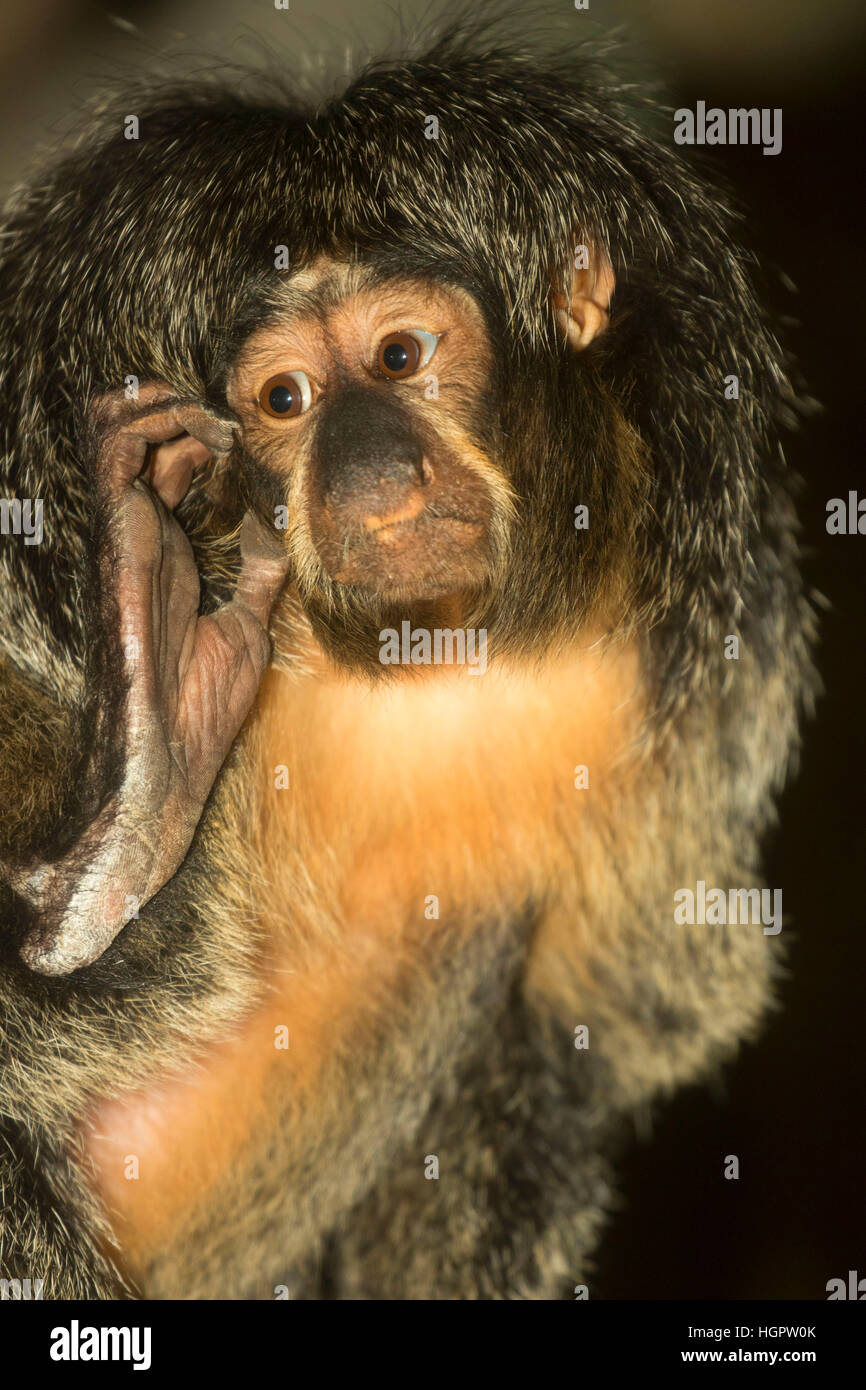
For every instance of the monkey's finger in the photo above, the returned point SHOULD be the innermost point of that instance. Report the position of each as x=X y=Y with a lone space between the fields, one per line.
x=170 y=436
x=114 y=411
x=171 y=466
x=118 y=407
x=150 y=574
x=264 y=566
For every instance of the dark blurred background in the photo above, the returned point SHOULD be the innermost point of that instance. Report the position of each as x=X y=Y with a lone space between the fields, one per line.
x=792 y=1106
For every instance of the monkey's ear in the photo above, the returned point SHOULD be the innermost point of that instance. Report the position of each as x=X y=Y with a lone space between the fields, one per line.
x=585 y=311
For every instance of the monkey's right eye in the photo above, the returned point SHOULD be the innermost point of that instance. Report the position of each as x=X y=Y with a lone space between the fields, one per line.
x=286 y=395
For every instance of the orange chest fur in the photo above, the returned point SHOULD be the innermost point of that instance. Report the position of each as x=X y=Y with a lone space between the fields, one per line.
x=377 y=819
x=459 y=787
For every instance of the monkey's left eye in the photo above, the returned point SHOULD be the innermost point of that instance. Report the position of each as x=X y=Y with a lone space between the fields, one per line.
x=286 y=395
x=404 y=354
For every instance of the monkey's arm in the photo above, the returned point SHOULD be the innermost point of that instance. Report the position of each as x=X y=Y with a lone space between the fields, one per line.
x=171 y=688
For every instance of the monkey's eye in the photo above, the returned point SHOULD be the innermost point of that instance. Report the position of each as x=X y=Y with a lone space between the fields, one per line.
x=286 y=395
x=403 y=354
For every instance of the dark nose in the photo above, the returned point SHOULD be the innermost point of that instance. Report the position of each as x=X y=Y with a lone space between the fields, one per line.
x=367 y=452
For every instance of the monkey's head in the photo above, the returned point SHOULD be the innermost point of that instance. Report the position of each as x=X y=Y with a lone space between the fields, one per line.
x=411 y=350
x=473 y=319
x=360 y=409
x=372 y=429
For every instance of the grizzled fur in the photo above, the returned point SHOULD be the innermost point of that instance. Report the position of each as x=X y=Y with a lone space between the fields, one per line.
x=155 y=257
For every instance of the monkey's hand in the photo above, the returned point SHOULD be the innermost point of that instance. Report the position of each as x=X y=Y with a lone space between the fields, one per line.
x=189 y=680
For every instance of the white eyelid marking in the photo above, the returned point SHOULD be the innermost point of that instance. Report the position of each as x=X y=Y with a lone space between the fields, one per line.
x=304 y=387
x=428 y=343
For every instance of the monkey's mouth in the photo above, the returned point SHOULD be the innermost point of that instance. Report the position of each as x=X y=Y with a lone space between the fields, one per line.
x=406 y=542
x=418 y=556
x=396 y=531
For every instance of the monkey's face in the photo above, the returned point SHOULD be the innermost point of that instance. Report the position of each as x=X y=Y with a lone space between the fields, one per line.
x=364 y=407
